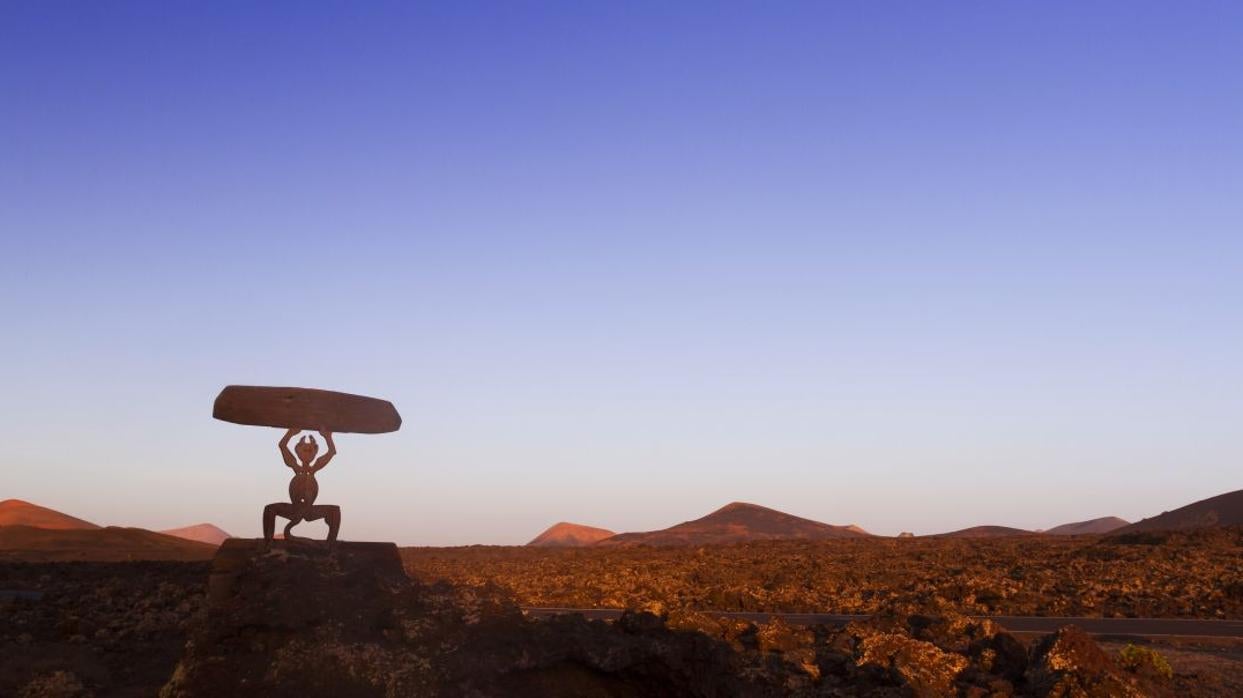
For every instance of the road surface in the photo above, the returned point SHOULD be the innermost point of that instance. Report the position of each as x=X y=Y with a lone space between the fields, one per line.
x=1137 y=627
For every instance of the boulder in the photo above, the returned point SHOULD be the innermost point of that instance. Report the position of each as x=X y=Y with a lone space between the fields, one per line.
x=924 y=667
x=1070 y=663
x=933 y=650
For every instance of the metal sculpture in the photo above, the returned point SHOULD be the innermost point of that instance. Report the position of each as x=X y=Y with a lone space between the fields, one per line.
x=298 y=410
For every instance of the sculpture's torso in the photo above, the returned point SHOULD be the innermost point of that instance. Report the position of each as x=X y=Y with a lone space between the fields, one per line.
x=303 y=489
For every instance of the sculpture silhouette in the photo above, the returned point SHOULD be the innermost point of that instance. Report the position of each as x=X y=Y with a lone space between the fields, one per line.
x=299 y=409
x=303 y=489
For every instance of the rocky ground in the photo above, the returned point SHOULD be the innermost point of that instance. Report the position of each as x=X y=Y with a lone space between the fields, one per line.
x=302 y=622
x=109 y=628
x=1189 y=574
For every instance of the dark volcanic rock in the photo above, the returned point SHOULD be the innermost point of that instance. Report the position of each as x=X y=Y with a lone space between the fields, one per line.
x=934 y=650
x=1069 y=663
x=298 y=620
x=117 y=629
x=303 y=621
x=1169 y=574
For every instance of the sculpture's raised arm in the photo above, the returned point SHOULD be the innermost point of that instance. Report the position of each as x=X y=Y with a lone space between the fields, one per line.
x=327 y=457
x=283 y=447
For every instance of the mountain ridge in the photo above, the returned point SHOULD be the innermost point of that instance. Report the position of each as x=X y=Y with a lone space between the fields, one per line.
x=985 y=531
x=18 y=512
x=110 y=544
x=1221 y=510
x=565 y=534
x=738 y=522
x=201 y=532
x=1104 y=524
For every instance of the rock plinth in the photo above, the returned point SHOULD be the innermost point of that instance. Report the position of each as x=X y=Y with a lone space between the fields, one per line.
x=301 y=618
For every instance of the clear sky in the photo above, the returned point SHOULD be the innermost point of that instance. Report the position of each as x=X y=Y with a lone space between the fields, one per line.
x=915 y=266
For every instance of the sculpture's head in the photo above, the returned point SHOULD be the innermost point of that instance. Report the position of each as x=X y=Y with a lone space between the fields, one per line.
x=306 y=448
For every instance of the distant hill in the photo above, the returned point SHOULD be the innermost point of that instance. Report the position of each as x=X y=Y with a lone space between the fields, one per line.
x=570 y=535
x=203 y=533
x=111 y=544
x=15 y=512
x=1094 y=526
x=738 y=522
x=1222 y=510
x=986 y=532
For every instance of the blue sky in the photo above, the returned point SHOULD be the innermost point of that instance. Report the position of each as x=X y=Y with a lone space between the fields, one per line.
x=913 y=266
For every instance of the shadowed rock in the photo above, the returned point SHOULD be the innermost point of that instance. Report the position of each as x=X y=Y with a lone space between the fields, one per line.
x=1070 y=663
x=297 y=621
x=308 y=622
x=303 y=621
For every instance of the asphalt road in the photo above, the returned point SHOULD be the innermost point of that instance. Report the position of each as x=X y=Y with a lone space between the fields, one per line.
x=1135 y=627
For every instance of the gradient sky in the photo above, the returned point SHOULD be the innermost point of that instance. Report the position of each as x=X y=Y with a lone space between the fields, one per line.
x=915 y=266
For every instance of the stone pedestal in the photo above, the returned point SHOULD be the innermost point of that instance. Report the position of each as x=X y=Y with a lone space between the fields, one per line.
x=299 y=619
x=239 y=559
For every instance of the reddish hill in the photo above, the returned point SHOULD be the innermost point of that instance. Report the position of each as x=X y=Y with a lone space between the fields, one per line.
x=1094 y=526
x=111 y=544
x=985 y=532
x=570 y=535
x=738 y=522
x=15 y=512
x=1222 y=510
x=203 y=533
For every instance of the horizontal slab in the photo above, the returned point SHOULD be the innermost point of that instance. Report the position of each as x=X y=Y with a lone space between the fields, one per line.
x=305 y=408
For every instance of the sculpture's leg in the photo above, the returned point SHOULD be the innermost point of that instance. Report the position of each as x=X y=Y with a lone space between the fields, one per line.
x=270 y=512
x=331 y=514
x=333 y=518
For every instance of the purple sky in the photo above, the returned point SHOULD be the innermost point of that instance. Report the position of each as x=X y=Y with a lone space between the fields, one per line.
x=912 y=266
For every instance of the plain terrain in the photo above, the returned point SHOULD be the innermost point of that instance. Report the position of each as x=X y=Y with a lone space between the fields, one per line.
x=1190 y=574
